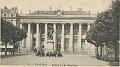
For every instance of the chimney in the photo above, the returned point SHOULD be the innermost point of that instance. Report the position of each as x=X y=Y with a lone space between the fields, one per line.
x=50 y=8
x=89 y=12
x=29 y=11
x=46 y=11
x=5 y=7
x=15 y=9
x=70 y=8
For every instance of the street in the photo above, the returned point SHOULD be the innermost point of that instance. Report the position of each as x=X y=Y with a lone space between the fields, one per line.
x=66 y=60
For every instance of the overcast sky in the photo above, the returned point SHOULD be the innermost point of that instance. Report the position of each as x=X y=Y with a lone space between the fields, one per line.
x=25 y=5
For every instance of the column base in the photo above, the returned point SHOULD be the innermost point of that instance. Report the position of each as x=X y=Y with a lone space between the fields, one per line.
x=71 y=49
x=29 y=49
x=25 y=50
x=79 y=49
x=62 y=49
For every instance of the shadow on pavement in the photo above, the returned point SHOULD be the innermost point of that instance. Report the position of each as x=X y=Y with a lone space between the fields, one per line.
x=111 y=63
x=7 y=56
x=114 y=63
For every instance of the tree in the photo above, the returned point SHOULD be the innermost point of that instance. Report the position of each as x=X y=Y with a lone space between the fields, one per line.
x=6 y=33
x=106 y=27
x=116 y=20
x=18 y=35
x=11 y=33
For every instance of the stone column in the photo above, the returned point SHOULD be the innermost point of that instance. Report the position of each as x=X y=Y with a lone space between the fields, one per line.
x=71 y=38
x=79 y=37
x=20 y=42
x=88 y=27
x=29 y=37
x=54 y=36
x=62 y=38
x=24 y=40
x=86 y=43
x=45 y=42
x=37 y=36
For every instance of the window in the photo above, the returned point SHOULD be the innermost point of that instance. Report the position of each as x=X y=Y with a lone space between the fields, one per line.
x=67 y=30
x=75 y=30
x=11 y=20
x=59 y=29
x=5 y=15
x=75 y=40
x=11 y=15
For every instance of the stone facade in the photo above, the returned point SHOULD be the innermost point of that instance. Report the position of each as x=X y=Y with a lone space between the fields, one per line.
x=52 y=30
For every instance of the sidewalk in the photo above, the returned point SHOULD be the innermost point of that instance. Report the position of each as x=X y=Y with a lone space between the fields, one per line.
x=75 y=60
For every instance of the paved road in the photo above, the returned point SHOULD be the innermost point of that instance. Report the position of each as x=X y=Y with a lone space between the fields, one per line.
x=69 y=60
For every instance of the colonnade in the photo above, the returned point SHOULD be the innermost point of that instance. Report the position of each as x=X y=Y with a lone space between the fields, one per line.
x=29 y=42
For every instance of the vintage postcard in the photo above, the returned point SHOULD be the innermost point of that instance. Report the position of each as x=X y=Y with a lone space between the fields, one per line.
x=59 y=32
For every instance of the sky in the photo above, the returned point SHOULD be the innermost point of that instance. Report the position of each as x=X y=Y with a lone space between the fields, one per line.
x=94 y=6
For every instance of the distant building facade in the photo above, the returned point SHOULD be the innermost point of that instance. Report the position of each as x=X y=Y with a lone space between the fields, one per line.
x=56 y=30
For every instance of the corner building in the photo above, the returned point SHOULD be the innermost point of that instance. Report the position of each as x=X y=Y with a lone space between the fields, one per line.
x=54 y=30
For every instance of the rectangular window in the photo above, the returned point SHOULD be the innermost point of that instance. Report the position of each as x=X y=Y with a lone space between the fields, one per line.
x=75 y=30
x=59 y=29
x=11 y=15
x=67 y=30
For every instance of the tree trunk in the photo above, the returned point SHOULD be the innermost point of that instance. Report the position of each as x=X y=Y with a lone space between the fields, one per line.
x=96 y=52
x=5 y=48
x=116 y=48
x=105 y=52
x=14 y=48
x=100 y=52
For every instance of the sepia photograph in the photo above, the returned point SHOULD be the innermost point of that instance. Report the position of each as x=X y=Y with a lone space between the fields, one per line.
x=59 y=32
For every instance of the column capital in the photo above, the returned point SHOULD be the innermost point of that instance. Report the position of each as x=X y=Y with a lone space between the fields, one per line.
x=45 y=23
x=63 y=23
x=54 y=23
x=88 y=23
x=37 y=23
x=28 y=23
x=72 y=23
x=21 y=23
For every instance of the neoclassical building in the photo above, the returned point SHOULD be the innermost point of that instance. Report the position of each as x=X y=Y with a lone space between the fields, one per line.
x=52 y=30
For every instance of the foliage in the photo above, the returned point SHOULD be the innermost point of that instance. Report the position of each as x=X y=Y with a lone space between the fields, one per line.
x=6 y=31
x=9 y=32
x=18 y=35
x=106 y=27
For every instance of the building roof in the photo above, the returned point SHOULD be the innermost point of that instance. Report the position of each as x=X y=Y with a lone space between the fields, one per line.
x=87 y=17
x=8 y=11
x=55 y=12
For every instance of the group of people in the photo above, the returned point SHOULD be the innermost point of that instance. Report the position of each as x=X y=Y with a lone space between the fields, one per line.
x=50 y=53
